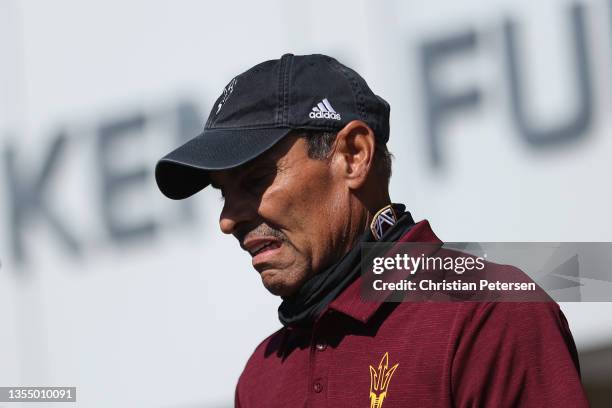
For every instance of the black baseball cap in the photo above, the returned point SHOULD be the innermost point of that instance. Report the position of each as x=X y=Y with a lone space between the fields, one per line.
x=261 y=106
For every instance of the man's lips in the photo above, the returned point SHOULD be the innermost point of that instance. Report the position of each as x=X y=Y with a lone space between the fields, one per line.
x=266 y=254
x=262 y=248
x=260 y=245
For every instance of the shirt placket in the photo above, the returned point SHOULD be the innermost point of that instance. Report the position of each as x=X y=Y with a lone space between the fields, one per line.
x=319 y=359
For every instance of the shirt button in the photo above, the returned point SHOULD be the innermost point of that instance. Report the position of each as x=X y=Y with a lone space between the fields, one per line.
x=321 y=346
x=318 y=387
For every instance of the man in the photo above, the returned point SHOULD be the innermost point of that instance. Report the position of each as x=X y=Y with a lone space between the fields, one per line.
x=297 y=147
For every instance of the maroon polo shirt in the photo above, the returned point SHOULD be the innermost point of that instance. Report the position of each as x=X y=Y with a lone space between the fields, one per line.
x=418 y=354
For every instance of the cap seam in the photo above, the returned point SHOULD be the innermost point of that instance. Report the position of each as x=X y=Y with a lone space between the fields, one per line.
x=273 y=126
x=287 y=79
x=262 y=126
x=279 y=92
x=354 y=87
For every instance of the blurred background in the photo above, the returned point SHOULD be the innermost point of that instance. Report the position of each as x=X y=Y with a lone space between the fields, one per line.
x=500 y=128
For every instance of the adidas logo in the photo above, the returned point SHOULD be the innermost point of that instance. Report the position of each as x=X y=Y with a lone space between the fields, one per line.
x=324 y=110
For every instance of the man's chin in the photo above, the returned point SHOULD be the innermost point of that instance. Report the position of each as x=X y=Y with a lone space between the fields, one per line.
x=273 y=280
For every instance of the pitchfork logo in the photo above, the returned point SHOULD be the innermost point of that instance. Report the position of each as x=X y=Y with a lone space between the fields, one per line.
x=379 y=381
x=227 y=91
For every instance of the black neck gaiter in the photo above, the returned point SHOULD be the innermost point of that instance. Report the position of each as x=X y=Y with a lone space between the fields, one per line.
x=302 y=309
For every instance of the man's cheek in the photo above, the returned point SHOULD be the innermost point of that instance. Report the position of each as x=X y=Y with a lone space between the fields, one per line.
x=275 y=206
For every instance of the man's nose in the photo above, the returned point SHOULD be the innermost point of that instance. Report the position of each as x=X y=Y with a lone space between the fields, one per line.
x=234 y=213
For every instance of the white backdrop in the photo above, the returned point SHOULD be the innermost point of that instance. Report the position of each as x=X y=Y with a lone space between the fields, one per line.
x=140 y=301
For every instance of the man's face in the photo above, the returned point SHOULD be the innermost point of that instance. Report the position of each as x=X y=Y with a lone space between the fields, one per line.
x=283 y=207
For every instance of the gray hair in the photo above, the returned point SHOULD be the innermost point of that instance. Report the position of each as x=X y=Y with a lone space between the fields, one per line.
x=320 y=145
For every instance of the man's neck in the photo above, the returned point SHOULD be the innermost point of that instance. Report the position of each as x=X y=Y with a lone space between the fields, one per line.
x=381 y=202
x=363 y=213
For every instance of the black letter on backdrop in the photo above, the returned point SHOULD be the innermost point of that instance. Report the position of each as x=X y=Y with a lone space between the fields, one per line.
x=581 y=120
x=441 y=104
x=115 y=181
x=28 y=199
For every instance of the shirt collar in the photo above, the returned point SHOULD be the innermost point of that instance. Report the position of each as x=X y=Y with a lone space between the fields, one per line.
x=349 y=302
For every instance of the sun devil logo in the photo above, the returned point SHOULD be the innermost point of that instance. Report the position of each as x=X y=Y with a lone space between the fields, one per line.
x=379 y=381
x=227 y=91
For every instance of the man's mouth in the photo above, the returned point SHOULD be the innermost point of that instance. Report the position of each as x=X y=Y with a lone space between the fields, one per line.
x=266 y=253
x=265 y=247
x=261 y=249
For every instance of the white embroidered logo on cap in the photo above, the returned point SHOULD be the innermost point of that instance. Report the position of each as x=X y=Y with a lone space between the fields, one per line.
x=324 y=110
x=227 y=91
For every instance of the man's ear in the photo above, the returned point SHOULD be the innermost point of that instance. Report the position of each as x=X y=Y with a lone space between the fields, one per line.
x=354 y=153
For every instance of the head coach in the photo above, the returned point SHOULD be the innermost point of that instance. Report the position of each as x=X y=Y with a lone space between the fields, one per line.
x=297 y=148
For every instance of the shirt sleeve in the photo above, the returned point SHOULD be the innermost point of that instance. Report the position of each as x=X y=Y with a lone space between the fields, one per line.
x=237 y=398
x=516 y=354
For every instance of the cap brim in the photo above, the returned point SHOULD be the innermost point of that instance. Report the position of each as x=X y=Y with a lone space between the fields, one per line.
x=184 y=171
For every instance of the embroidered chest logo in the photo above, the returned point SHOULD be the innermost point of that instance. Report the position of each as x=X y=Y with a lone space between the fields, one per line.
x=379 y=381
x=227 y=91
